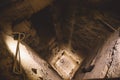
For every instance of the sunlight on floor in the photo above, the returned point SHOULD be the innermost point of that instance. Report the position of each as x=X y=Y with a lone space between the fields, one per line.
x=28 y=62
x=66 y=63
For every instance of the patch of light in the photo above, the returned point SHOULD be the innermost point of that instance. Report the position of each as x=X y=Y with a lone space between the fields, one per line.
x=66 y=63
x=28 y=62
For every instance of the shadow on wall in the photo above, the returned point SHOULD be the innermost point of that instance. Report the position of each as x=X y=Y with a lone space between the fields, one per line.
x=42 y=22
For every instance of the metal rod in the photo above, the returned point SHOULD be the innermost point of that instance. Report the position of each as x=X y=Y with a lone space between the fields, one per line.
x=107 y=24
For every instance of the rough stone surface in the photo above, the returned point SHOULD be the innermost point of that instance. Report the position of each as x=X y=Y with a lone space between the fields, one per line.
x=78 y=27
x=114 y=70
x=107 y=61
x=74 y=23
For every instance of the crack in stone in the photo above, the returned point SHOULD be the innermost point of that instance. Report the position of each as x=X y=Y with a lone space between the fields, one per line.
x=112 y=58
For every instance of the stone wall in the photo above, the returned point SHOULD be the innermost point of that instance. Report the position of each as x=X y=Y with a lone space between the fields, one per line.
x=79 y=28
x=107 y=61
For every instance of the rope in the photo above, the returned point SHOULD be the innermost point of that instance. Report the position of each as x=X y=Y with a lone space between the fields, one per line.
x=17 y=68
